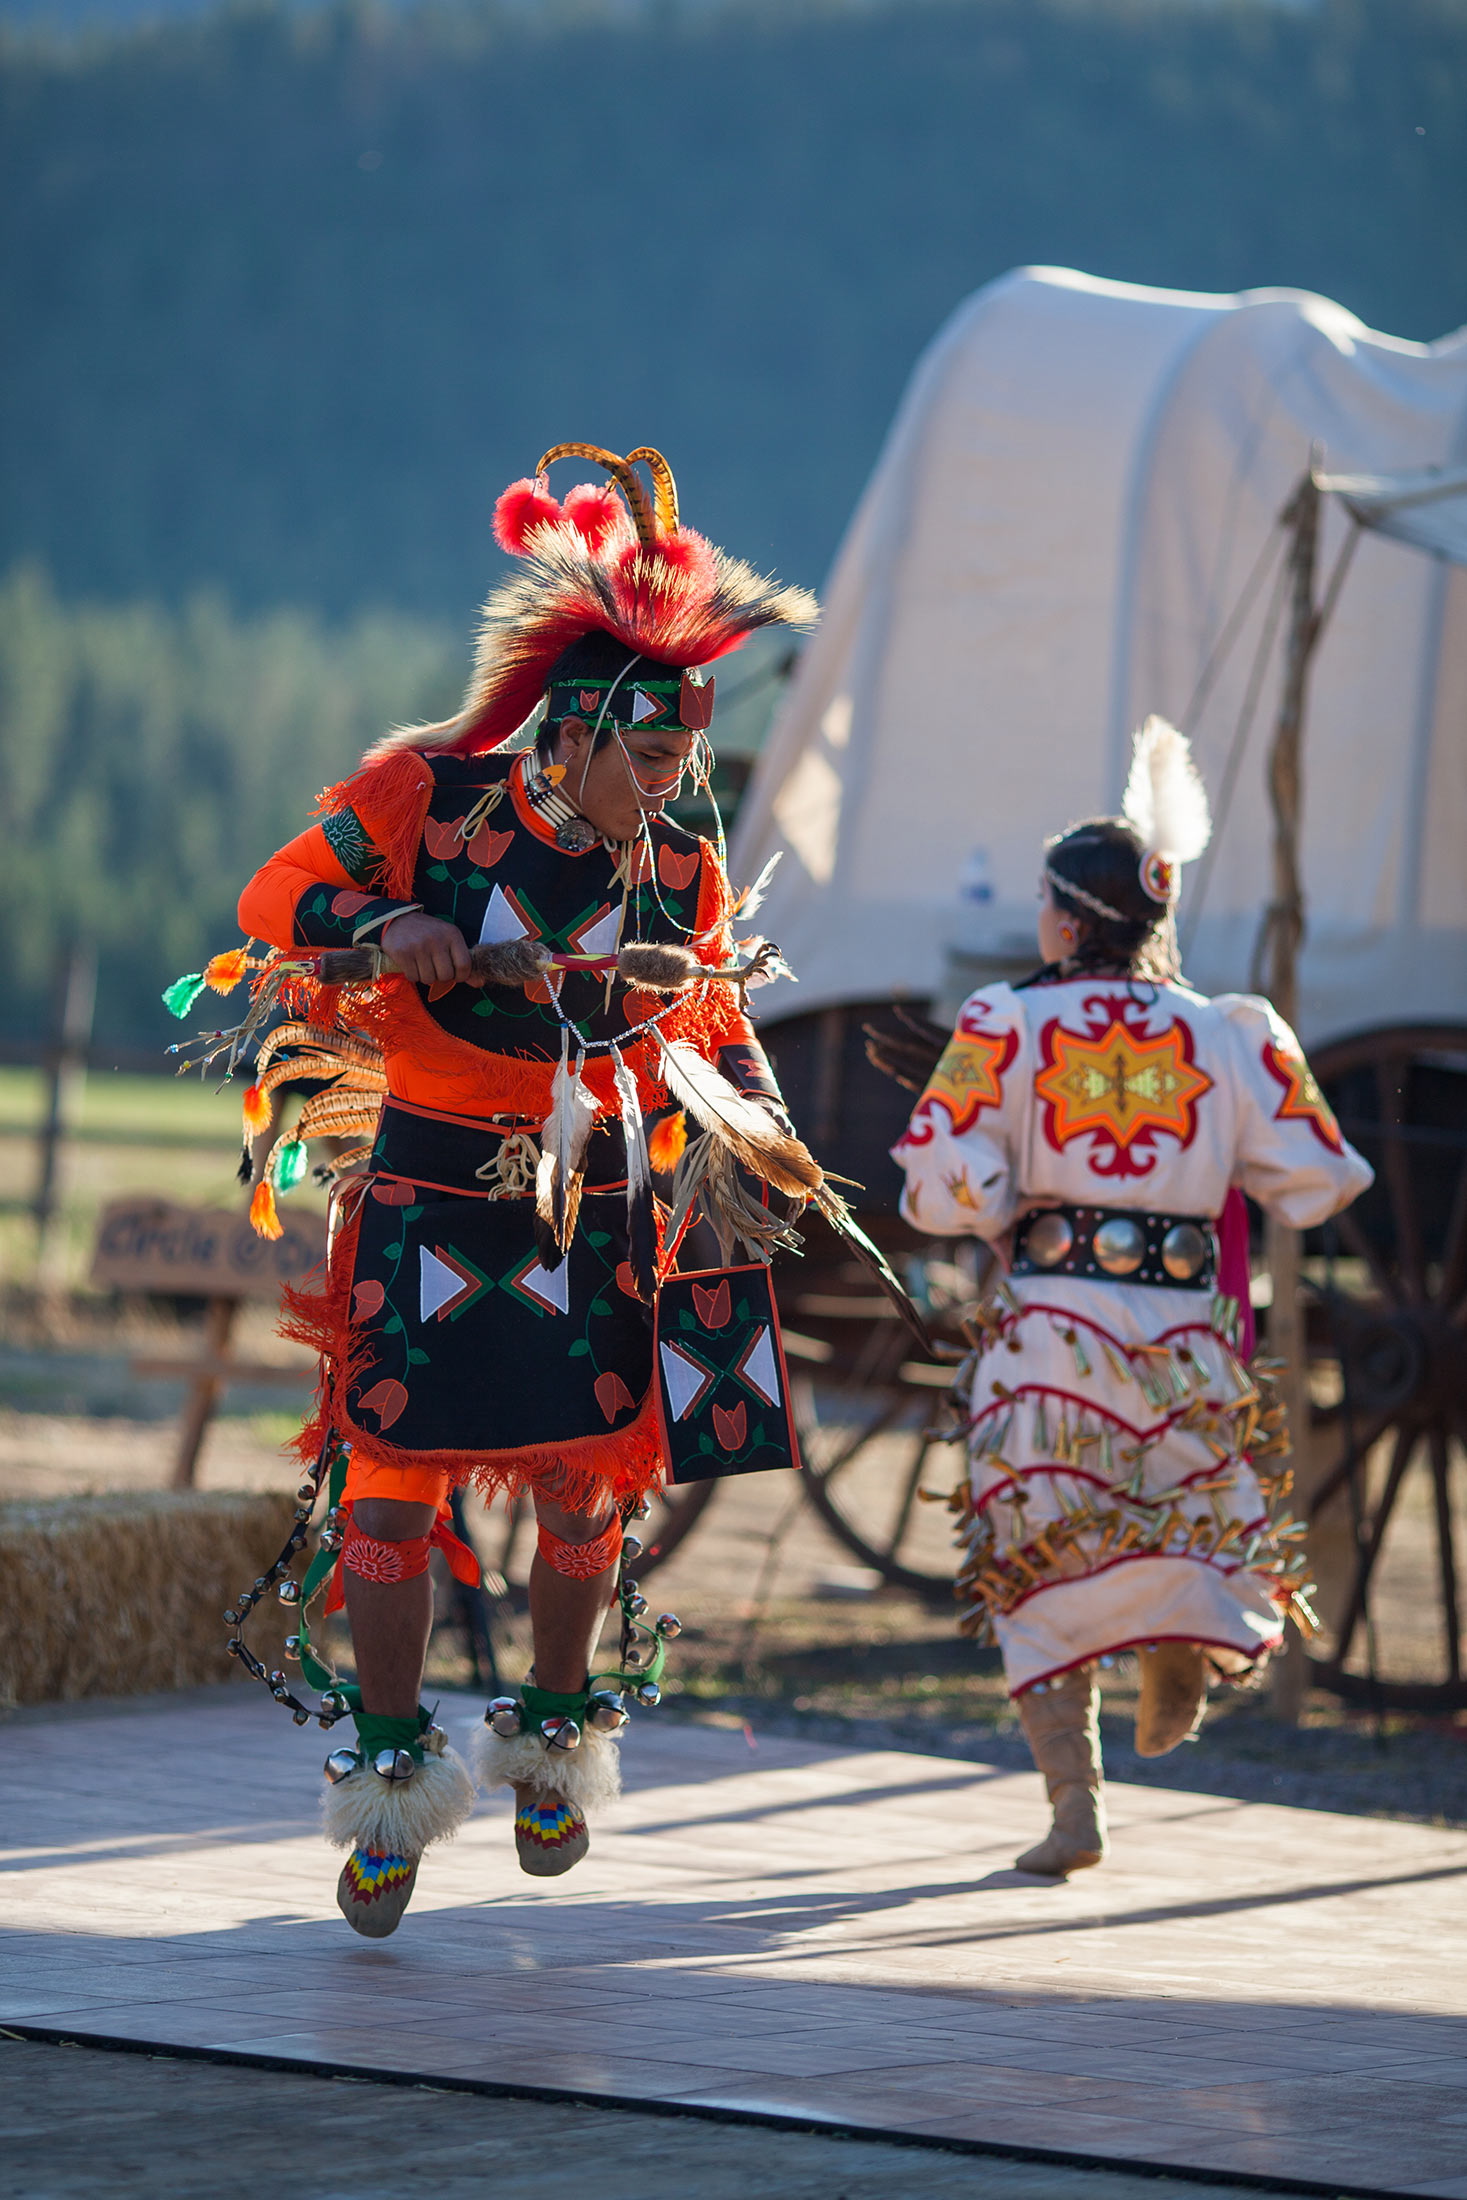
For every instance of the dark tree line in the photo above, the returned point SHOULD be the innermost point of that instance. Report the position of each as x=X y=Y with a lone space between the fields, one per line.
x=290 y=296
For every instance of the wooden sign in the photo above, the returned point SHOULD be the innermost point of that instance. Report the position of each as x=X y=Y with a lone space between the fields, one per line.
x=149 y=1244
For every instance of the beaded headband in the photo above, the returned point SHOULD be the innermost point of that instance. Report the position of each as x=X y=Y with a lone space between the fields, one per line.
x=1088 y=901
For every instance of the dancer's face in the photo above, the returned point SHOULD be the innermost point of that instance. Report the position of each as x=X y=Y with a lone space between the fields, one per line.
x=632 y=774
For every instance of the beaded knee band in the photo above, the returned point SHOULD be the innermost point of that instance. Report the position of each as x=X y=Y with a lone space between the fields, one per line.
x=581 y=1561
x=376 y=1560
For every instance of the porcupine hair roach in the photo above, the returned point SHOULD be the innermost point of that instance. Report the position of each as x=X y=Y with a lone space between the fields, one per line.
x=612 y=561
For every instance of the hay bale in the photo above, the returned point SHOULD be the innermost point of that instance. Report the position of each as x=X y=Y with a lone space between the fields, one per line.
x=121 y=1595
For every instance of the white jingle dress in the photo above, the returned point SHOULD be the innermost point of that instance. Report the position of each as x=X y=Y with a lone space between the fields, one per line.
x=1113 y=1498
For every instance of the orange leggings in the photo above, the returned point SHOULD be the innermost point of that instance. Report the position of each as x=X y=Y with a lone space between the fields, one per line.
x=367 y=1477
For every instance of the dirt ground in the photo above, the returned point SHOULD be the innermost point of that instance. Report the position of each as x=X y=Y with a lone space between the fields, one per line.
x=782 y=1626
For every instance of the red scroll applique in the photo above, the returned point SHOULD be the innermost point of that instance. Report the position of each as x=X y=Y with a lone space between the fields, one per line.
x=968 y=1078
x=1302 y=1101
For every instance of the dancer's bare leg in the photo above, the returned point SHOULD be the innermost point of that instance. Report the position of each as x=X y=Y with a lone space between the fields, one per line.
x=566 y=1614
x=558 y=1763
x=390 y=1620
x=386 y=1818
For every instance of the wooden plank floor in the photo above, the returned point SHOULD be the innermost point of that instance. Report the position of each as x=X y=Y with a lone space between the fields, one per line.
x=827 y=1933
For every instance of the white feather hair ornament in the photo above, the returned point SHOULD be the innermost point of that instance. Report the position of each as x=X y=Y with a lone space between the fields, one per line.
x=1166 y=802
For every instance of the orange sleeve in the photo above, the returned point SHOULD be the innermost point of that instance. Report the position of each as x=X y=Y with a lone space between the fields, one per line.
x=306 y=896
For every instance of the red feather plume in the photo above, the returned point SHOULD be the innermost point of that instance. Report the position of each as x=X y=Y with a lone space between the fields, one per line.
x=596 y=513
x=524 y=506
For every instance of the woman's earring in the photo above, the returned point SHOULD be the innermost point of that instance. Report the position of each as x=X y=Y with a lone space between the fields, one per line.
x=1067 y=935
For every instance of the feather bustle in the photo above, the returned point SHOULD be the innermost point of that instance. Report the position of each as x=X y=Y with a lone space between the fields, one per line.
x=745 y=1126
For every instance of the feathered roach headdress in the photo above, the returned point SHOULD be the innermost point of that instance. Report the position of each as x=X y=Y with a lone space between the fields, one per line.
x=612 y=562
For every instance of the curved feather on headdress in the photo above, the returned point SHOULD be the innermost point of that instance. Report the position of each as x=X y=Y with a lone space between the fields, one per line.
x=1165 y=799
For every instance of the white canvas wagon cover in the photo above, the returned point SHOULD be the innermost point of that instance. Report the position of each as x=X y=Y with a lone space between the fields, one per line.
x=1061 y=526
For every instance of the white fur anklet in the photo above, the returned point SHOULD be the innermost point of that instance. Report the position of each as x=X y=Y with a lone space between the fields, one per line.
x=400 y=1817
x=589 y=1776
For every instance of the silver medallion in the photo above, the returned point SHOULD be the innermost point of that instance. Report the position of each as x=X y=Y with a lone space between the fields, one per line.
x=1048 y=1239
x=1119 y=1246
x=1184 y=1252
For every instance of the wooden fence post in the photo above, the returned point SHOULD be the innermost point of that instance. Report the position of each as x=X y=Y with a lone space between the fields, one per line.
x=67 y=1074
x=1281 y=982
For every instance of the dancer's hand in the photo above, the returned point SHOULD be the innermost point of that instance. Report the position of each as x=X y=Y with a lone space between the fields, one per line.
x=428 y=950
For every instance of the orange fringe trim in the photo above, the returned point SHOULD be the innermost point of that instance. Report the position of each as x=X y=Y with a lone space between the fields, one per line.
x=573 y=1474
x=391 y=799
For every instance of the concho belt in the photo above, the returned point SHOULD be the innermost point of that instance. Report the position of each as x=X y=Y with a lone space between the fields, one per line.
x=1117 y=1245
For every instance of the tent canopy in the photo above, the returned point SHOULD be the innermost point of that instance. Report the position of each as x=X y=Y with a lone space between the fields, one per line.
x=1076 y=505
x=1427 y=509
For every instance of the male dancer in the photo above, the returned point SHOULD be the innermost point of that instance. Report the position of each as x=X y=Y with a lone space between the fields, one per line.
x=487 y=1312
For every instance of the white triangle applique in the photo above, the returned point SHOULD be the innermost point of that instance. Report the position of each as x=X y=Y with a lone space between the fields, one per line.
x=599 y=938
x=644 y=706
x=759 y=1368
x=686 y=1380
x=549 y=1288
x=437 y=1283
x=501 y=921
x=443 y=1285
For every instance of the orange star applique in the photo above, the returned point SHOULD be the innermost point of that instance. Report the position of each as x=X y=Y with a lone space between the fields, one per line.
x=1303 y=1101
x=969 y=1076
x=1119 y=1086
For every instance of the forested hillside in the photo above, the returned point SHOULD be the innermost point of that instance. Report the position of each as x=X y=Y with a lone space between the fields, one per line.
x=291 y=296
x=149 y=761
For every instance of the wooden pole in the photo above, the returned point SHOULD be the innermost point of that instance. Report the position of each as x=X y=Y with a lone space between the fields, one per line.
x=67 y=1068
x=205 y=1392
x=1285 y=934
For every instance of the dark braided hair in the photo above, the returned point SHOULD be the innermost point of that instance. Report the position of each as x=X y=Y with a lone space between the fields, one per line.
x=1102 y=857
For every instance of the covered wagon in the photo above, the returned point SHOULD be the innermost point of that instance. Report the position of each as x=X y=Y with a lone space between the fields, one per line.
x=1250 y=515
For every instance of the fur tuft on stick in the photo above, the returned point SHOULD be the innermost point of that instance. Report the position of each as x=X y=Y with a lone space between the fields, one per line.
x=659 y=966
x=1165 y=799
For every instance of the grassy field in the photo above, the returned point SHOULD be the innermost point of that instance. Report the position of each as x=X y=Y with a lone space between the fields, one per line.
x=174 y=1136
x=122 y=1109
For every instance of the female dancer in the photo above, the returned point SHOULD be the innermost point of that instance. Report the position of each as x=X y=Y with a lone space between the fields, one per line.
x=1091 y=1123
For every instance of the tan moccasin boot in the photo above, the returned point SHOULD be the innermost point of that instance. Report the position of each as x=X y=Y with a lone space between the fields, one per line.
x=373 y=1891
x=549 y=1832
x=1061 y=1724
x=1173 y=1696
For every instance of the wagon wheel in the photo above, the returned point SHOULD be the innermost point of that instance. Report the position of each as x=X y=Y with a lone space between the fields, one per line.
x=865 y=1404
x=675 y=1513
x=839 y=1432
x=1393 y=1313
